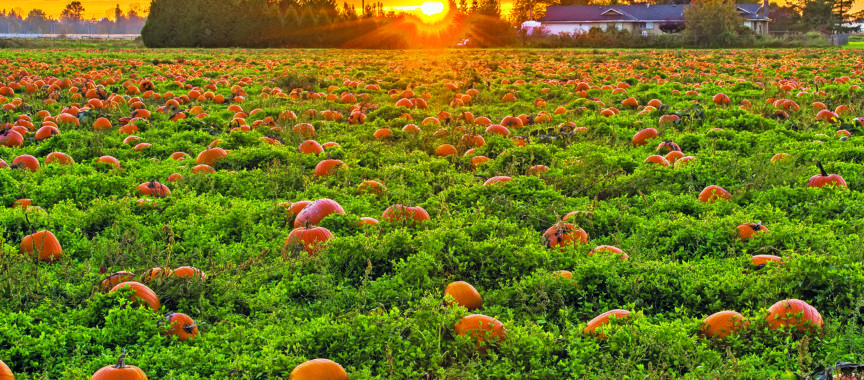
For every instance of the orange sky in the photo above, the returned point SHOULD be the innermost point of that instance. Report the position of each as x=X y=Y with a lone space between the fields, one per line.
x=104 y=8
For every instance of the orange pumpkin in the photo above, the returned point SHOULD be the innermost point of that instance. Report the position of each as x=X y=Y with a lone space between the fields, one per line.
x=44 y=244
x=765 y=259
x=140 y=293
x=747 y=230
x=59 y=158
x=311 y=239
x=316 y=211
x=153 y=188
x=318 y=369
x=642 y=137
x=398 y=213
x=119 y=371
x=463 y=294
x=563 y=235
x=26 y=161
x=721 y=324
x=794 y=313
x=483 y=329
x=713 y=193
x=602 y=320
x=329 y=167
x=825 y=179
x=211 y=156
x=114 y=279
x=608 y=249
x=5 y=372
x=110 y=161
x=181 y=326
x=188 y=273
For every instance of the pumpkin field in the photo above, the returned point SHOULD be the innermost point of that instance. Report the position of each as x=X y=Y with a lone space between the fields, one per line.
x=453 y=214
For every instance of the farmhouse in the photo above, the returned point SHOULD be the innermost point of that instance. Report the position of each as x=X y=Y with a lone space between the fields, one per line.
x=638 y=19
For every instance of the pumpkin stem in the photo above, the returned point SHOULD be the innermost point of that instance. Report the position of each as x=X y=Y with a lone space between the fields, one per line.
x=120 y=363
x=189 y=327
x=308 y=225
x=821 y=168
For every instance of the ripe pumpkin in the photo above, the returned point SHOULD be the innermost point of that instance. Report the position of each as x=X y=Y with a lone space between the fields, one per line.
x=445 y=150
x=764 y=259
x=22 y=203
x=119 y=371
x=316 y=211
x=481 y=328
x=825 y=179
x=371 y=186
x=794 y=313
x=153 y=188
x=110 y=161
x=746 y=230
x=657 y=160
x=5 y=372
x=182 y=326
x=328 y=167
x=141 y=293
x=537 y=170
x=114 y=279
x=602 y=320
x=188 y=273
x=310 y=147
x=318 y=369
x=563 y=235
x=712 y=193
x=397 y=213
x=463 y=294
x=155 y=273
x=11 y=138
x=44 y=244
x=211 y=156
x=497 y=180
x=779 y=157
x=26 y=161
x=642 y=137
x=721 y=324
x=367 y=221
x=311 y=239
x=608 y=249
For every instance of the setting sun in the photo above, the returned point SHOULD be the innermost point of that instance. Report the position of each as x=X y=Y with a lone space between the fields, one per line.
x=432 y=8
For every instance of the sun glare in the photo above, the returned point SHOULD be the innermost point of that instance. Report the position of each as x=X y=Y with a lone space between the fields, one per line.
x=432 y=11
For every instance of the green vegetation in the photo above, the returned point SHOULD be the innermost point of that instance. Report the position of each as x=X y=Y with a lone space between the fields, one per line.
x=372 y=300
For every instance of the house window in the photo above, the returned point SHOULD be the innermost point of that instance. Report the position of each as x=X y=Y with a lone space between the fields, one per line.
x=649 y=25
x=619 y=26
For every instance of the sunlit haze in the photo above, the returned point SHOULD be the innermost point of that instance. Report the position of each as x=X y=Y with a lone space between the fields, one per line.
x=95 y=9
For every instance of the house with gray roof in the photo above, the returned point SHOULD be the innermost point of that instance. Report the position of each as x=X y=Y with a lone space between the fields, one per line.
x=642 y=19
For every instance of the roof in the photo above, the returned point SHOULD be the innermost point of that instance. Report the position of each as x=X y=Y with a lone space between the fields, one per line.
x=659 y=12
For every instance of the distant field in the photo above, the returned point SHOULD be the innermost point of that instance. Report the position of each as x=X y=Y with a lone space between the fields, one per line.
x=855 y=45
x=557 y=184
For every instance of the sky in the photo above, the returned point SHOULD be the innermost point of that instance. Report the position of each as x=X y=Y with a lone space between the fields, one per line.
x=105 y=8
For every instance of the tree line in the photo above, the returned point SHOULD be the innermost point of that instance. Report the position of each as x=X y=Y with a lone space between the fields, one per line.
x=71 y=21
x=317 y=23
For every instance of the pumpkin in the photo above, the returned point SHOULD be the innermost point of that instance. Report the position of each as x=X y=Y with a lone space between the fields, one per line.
x=765 y=259
x=721 y=324
x=537 y=170
x=463 y=294
x=203 y=169
x=44 y=244
x=673 y=156
x=497 y=180
x=445 y=150
x=602 y=320
x=372 y=187
x=179 y=156
x=181 y=326
x=119 y=371
x=367 y=221
x=712 y=193
x=11 y=138
x=328 y=167
x=746 y=230
x=825 y=179
x=563 y=235
x=498 y=129
x=317 y=211
x=114 y=279
x=153 y=188
x=155 y=273
x=481 y=328
x=188 y=273
x=779 y=157
x=26 y=161
x=310 y=147
x=608 y=249
x=211 y=156
x=140 y=293
x=110 y=161
x=398 y=213
x=565 y=274
x=22 y=203
x=722 y=99
x=642 y=137
x=794 y=313
x=295 y=209
x=45 y=132
x=668 y=146
x=318 y=369
x=657 y=160
x=308 y=238
x=5 y=372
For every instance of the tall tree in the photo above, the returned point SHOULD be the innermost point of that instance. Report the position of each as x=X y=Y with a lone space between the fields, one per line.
x=38 y=21
x=712 y=22
x=74 y=11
